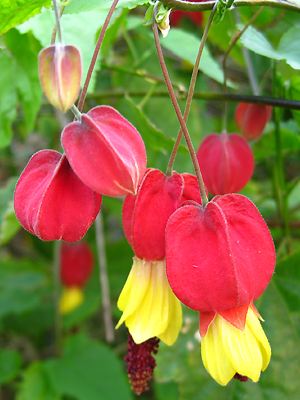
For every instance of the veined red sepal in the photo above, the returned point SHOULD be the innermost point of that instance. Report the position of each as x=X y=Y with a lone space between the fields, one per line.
x=226 y=163
x=105 y=151
x=219 y=257
x=50 y=200
x=252 y=119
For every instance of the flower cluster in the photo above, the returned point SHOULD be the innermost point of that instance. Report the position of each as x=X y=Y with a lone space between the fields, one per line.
x=216 y=258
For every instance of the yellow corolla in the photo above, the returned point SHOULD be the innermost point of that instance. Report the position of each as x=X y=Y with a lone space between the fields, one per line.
x=227 y=350
x=150 y=309
x=71 y=298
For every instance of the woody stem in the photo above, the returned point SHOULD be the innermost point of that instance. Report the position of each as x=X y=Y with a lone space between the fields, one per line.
x=179 y=115
x=191 y=88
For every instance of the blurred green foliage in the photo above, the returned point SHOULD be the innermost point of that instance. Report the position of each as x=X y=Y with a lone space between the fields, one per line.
x=33 y=365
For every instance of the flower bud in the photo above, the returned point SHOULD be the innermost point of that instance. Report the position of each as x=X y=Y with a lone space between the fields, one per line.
x=226 y=163
x=76 y=264
x=60 y=74
x=51 y=202
x=105 y=151
x=252 y=119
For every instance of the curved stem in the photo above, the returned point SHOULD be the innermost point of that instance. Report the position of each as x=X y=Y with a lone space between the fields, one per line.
x=95 y=55
x=208 y=5
x=179 y=115
x=232 y=43
x=191 y=89
x=57 y=20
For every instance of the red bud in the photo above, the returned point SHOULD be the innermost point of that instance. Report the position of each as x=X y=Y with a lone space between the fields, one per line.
x=105 y=151
x=76 y=264
x=252 y=119
x=60 y=75
x=226 y=163
x=219 y=257
x=51 y=202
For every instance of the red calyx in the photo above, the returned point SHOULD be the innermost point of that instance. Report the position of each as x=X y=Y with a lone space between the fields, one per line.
x=178 y=15
x=252 y=119
x=145 y=215
x=219 y=257
x=51 y=202
x=76 y=264
x=105 y=151
x=226 y=163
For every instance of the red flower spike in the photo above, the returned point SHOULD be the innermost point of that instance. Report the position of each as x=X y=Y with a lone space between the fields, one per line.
x=226 y=163
x=219 y=257
x=252 y=119
x=105 y=151
x=51 y=202
x=145 y=215
x=76 y=264
x=60 y=75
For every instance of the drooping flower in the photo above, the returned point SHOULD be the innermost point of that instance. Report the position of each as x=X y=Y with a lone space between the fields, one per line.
x=50 y=200
x=219 y=260
x=105 y=151
x=60 y=74
x=149 y=307
x=76 y=265
x=252 y=119
x=177 y=16
x=226 y=163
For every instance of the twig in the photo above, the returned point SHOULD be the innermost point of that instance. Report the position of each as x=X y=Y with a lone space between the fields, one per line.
x=104 y=283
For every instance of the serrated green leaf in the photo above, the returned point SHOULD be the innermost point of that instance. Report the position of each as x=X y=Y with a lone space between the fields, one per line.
x=10 y=365
x=14 y=12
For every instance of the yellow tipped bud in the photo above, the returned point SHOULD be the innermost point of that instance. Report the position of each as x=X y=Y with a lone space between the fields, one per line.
x=150 y=309
x=227 y=350
x=60 y=75
x=71 y=298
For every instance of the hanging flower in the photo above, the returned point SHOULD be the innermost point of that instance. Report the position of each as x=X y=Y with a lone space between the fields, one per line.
x=252 y=119
x=226 y=163
x=76 y=265
x=105 y=151
x=60 y=74
x=51 y=202
x=219 y=260
x=177 y=16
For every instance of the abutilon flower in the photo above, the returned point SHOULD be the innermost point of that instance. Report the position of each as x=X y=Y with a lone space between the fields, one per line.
x=76 y=265
x=105 y=151
x=149 y=307
x=60 y=74
x=226 y=163
x=51 y=202
x=252 y=119
x=220 y=259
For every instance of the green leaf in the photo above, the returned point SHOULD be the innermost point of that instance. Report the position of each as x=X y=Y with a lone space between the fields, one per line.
x=36 y=385
x=185 y=46
x=10 y=365
x=75 y=6
x=14 y=12
x=9 y=225
x=289 y=47
x=88 y=371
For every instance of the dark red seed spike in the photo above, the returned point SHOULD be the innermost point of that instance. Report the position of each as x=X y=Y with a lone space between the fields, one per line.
x=140 y=363
x=241 y=378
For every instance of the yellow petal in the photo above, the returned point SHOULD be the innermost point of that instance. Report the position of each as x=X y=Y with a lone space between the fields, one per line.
x=71 y=298
x=149 y=307
x=227 y=350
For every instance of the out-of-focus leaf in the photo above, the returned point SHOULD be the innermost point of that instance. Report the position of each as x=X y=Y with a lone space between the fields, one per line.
x=185 y=46
x=88 y=371
x=75 y=6
x=14 y=12
x=36 y=385
x=287 y=50
x=10 y=365
x=10 y=225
